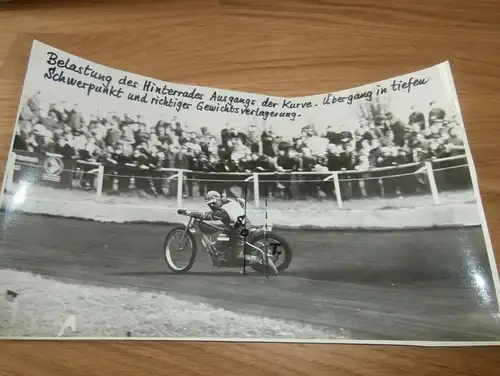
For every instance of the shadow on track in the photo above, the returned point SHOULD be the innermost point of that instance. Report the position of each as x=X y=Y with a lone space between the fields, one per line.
x=370 y=276
x=228 y=273
x=382 y=276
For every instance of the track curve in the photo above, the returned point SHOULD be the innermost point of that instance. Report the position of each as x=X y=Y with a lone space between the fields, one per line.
x=402 y=285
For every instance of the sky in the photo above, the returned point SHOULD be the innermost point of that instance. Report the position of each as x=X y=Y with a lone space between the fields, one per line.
x=437 y=89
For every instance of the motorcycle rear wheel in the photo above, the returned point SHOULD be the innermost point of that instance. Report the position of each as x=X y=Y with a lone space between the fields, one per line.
x=168 y=252
x=285 y=252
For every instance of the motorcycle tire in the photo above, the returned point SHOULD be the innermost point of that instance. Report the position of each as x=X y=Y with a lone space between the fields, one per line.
x=190 y=264
x=286 y=252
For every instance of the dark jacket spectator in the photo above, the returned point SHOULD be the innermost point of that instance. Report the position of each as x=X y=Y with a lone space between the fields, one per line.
x=436 y=113
x=398 y=128
x=64 y=149
x=181 y=160
x=268 y=144
x=416 y=117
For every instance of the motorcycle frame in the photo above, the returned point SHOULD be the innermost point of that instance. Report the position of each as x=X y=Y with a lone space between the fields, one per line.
x=190 y=227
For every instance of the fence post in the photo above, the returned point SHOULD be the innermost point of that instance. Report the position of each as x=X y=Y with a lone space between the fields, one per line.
x=100 y=179
x=180 y=184
x=432 y=182
x=336 y=184
x=256 y=192
x=9 y=172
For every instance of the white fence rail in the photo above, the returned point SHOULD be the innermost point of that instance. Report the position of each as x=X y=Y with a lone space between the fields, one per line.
x=425 y=169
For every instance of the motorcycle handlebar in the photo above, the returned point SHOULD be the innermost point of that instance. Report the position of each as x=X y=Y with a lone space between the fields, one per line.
x=184 y=212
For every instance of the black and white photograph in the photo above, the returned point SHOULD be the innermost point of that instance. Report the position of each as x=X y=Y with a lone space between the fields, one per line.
x=137 y=208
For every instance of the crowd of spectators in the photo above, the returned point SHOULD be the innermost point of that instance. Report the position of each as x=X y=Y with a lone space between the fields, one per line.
x=130 y=148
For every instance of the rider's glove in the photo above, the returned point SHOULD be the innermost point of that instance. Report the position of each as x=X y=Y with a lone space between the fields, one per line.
x=182 y=211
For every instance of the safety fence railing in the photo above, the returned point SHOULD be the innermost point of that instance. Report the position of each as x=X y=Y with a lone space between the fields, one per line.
x=431 y=177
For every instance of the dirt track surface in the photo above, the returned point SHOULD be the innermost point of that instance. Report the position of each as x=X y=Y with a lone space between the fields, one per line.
x=400 y=285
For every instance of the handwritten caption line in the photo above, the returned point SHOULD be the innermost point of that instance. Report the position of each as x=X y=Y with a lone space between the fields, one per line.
x=92 y=81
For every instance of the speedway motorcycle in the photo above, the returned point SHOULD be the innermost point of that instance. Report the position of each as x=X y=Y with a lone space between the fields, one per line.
x=183 y=242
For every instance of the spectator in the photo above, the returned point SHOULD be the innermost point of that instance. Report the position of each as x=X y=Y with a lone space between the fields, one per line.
x=436 y=113
x=455 y=143
x=114 y=133
x=129 y=146
x=398 y=128
x=64 y=148
x=416 y=118
x=268 y=144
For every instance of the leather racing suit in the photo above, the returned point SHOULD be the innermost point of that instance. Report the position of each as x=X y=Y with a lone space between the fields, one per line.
x=232 y=214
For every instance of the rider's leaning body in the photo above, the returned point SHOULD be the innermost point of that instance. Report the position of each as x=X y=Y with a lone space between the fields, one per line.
x=223 y=209
x=231 y=213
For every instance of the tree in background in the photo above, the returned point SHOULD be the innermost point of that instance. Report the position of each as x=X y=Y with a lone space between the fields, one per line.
x=373 y=111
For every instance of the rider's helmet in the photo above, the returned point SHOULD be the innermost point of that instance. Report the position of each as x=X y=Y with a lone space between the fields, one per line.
x=213 y=199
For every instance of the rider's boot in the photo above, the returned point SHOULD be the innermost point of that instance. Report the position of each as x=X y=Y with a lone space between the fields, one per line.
x=239 y=251
x=251 y=259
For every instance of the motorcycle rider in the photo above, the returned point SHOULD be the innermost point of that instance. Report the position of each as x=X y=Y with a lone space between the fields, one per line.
x=232 y=214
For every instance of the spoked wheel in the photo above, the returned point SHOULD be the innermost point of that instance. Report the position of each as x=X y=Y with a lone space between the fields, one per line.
x=180 y=257
x=281 y=258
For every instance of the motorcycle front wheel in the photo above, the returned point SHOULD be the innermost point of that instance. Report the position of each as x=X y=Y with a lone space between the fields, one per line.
x=281 y=259
x=180 y=257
